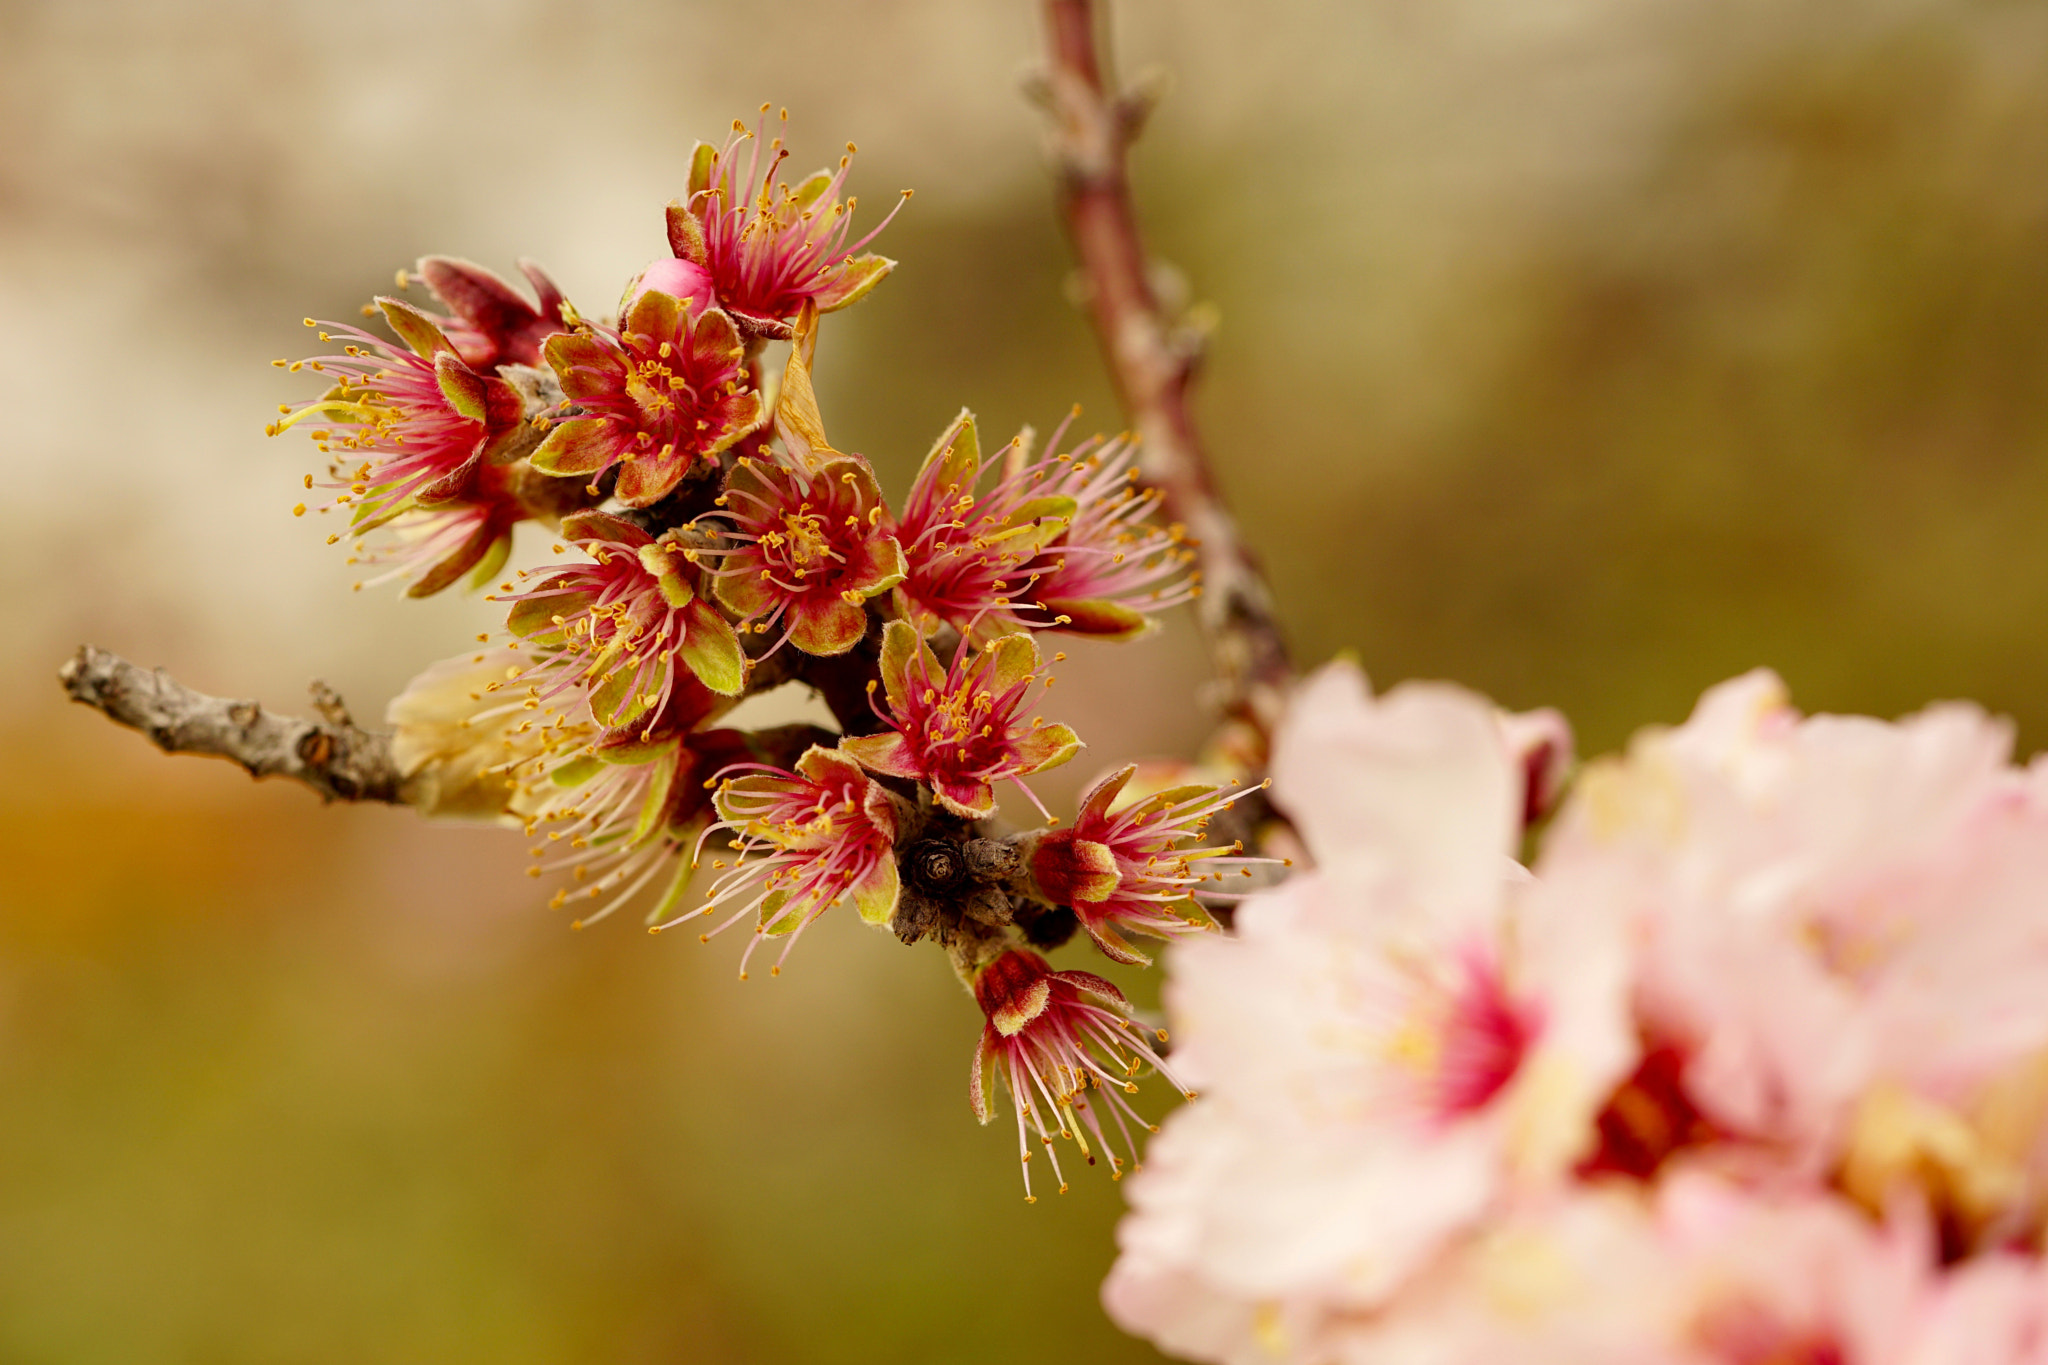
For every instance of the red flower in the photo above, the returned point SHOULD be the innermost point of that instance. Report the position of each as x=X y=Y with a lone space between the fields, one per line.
x=1112 y=567
x=415 y=433
x=769 y=248
x=663 y=394
x=1065 y=1047
x=1125 y=871
x=969 y=554
x=959 y=730
x=614 y=629
x=492 y=324
x=624 y=803
x=812 y=545
x=807 y=840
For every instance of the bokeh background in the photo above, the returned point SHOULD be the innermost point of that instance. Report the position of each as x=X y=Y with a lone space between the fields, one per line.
x=1585 y=351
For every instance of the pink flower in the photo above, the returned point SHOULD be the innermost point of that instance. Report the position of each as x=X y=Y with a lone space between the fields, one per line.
x=969 y=554
x=807 y=840
x=812 y=547
x=1112 y=569
x=1828 y=903
x=659 y=398
x=1063 y=542
x=769 y=248
x=619 y=807
x=1125 y=870
x=614 y=630
x=960 y=730
x=1391 y=1049
x=1064 y=1044
x=492 y=324
x=414 y=433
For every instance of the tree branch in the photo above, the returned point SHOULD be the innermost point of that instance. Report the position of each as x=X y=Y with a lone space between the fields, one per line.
x=1152 y=360
x=330 y=755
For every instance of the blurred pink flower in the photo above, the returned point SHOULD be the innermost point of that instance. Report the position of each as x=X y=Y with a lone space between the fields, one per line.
x=1828 y=903
x=1391 y=1047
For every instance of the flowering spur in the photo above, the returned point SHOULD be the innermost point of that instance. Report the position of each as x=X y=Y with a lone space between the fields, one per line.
x=711 y=545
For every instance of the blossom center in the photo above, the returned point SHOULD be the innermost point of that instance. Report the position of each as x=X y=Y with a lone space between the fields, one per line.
x=649 y=383
x=1464 y=1041
x=805 y=540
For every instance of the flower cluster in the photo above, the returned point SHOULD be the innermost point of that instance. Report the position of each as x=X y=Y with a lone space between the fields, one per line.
x=1750 y=1064
x=711 y=544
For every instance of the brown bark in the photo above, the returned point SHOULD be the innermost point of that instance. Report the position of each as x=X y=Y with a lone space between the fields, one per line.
x=330 y=755
x=1152 y=360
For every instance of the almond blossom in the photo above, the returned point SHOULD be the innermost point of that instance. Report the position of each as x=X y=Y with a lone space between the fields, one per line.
x=419 y=442
x=490 y=323
x=767 y=247
x=1392 y=1047
x=1112 y=569
x=960 y=729
x=811 y=547
x=1062 y=542
x=1066 y=1049
x=807 y=840
x=1830 y=904
x=659 y=397
x=969 y=553
x=1124 y=870
x=620 y=629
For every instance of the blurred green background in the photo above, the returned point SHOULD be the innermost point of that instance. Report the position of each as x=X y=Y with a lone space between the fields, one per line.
x=1585 y=351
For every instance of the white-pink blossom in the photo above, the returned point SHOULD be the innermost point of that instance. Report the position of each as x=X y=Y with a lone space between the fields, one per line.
x=1829 y=904
x=1388 y=1048
x=1751 y=1068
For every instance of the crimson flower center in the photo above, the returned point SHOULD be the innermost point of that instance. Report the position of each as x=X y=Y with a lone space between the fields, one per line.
x=1483 y=1037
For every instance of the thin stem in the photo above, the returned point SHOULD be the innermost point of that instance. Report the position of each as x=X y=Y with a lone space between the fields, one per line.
x=1152 y=361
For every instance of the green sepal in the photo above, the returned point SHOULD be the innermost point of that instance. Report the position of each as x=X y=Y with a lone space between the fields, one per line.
x=900 y=644
x=876 y=894
x=577 y=771
x=613 y=703
x=594 y=525
x=658 y=559
x=814 y=185
x=958 y=451
x=711 y=650
x=466 y=391
x=673 y=895
x=1114 y=945
x=533 y=618
x=576 y=447
x=1098 y=618
x=775 y=921
x=656 y=804
x=702 y=157
x=854 y=282
x=494 y=560
x=656 y=316
x=1009 y=660
x=414 y=328
x=686 y=234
